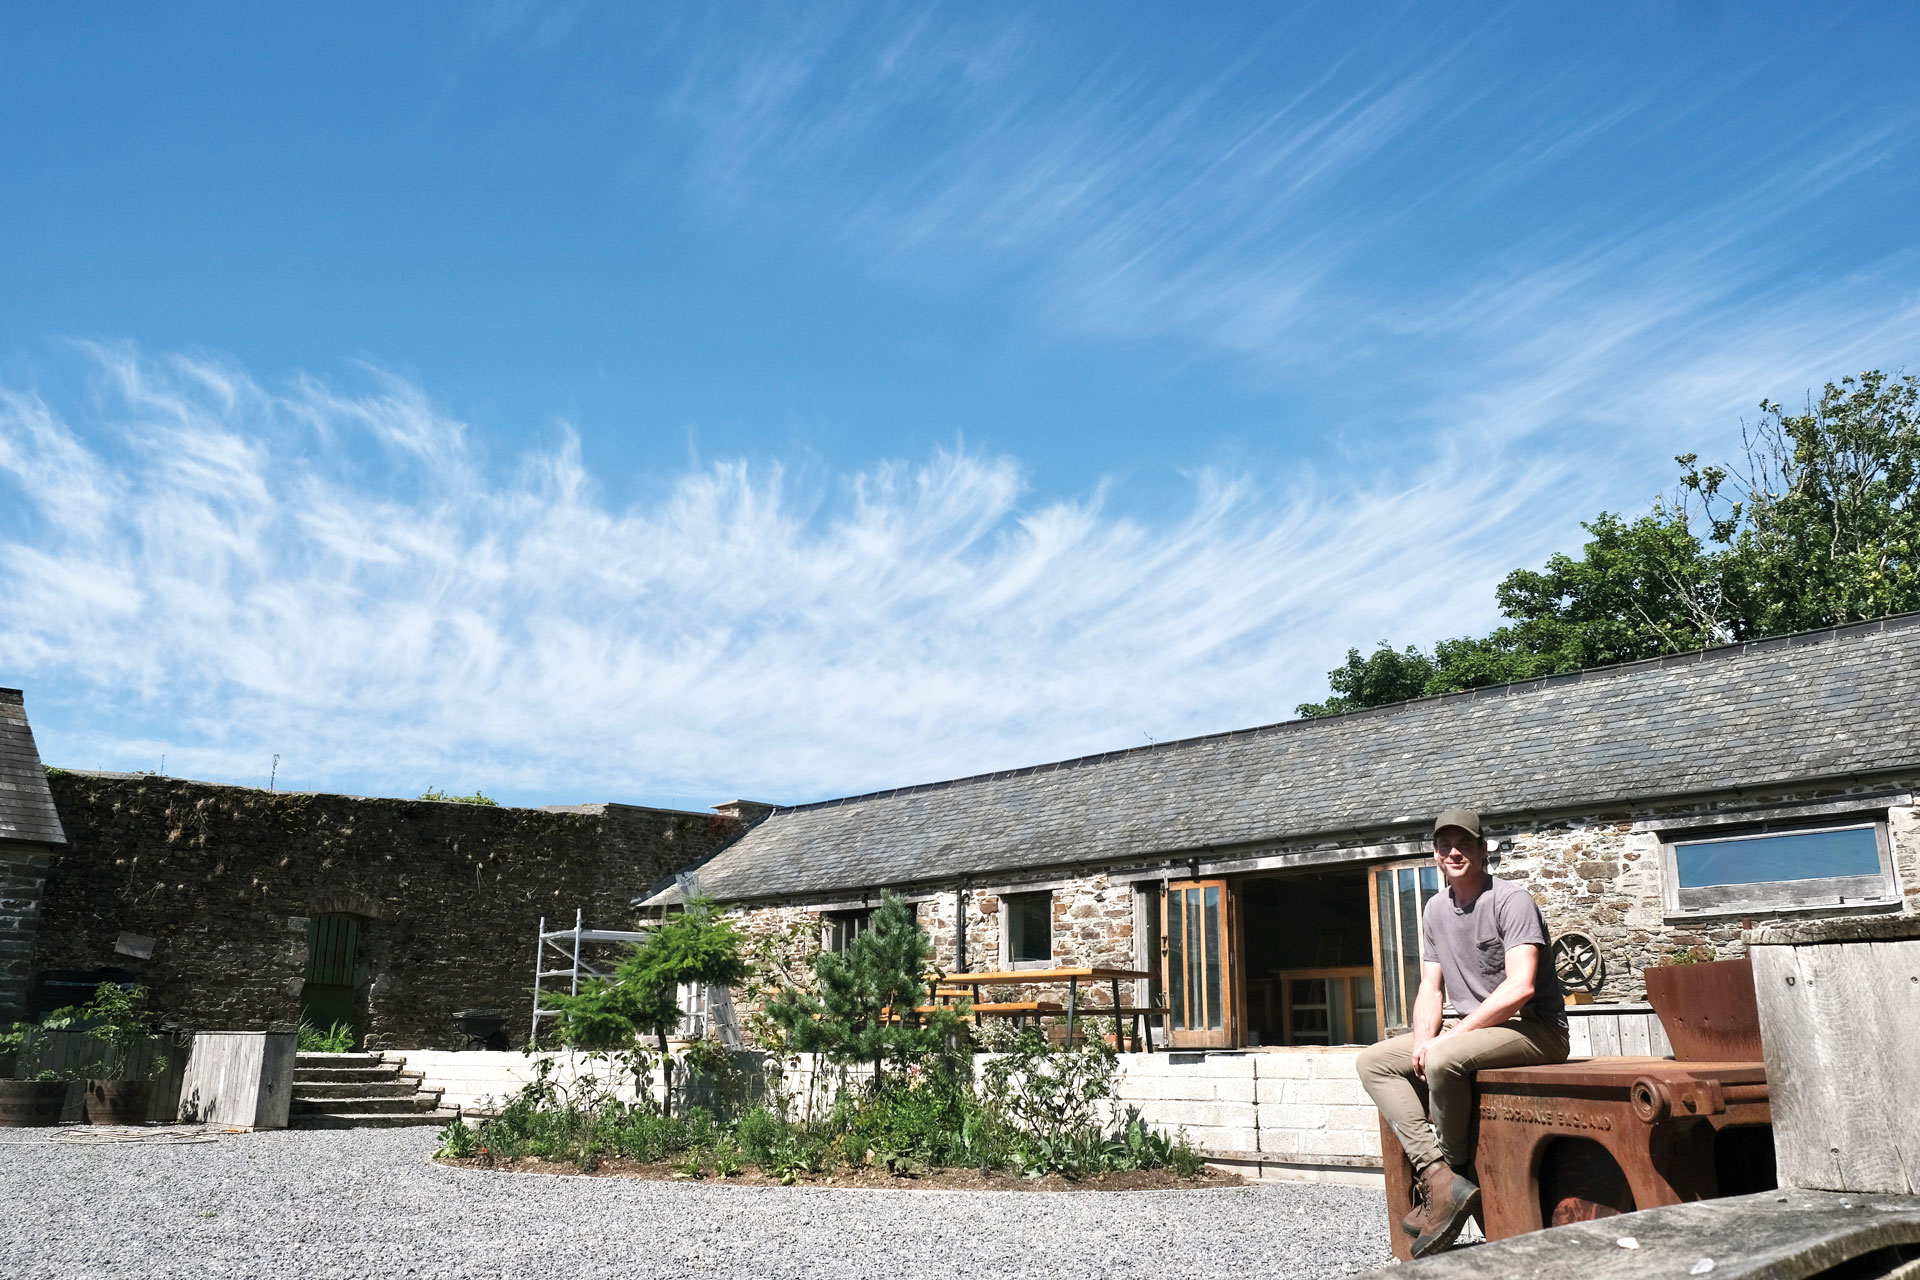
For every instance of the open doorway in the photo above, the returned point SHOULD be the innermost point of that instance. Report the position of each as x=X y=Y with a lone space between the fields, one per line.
x=332 y=994
x=1307 y=958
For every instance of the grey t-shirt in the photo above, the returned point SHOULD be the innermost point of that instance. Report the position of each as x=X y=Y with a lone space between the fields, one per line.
x=1471 y=947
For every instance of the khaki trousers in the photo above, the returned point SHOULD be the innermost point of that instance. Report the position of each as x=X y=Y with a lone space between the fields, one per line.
x=1386 y=1070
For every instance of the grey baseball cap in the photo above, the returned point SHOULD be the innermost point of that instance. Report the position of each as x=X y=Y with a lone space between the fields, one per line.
x=1466 y=819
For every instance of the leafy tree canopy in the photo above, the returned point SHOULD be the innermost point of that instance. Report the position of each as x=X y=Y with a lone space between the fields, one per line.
x=1818 y=524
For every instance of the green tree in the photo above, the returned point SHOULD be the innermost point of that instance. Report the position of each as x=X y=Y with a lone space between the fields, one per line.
x=1823 y=522
x=641 y=996
x=1386 y=675
x=862 y=1010
x=1820 y=525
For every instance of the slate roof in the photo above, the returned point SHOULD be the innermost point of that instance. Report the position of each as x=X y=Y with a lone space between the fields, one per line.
x=1822 y=704
x=26 y=806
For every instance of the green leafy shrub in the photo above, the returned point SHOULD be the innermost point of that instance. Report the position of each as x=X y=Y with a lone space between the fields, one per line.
x=457 y=1141
x=120 y=1018
x=337 y=1038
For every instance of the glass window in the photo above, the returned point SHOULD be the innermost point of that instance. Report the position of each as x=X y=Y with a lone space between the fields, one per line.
x=1718 y=871
x=844 y=926
x=1800 y=855
x=1401 y=893
x=1029 y=919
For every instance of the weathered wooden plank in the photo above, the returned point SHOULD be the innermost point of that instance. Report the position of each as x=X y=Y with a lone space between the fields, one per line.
x=239 y=1078
x=1800 y=1151
x=1579 y=1039
x=1605 y=1032
x=1634 y=1039
x=1659 y=1046
x=1891 y=992
x=65 y=1052
x=1784 y=1235
x=1831 y=1052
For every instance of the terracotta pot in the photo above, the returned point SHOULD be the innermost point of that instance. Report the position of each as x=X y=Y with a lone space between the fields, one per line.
x=118 y=1101
x=31 y=1103
x=1709 y=1010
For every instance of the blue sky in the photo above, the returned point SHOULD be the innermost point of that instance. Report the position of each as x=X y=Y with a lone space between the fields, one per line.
x=668 y=404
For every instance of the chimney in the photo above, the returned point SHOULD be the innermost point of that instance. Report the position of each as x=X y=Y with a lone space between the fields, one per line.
x=748 y=813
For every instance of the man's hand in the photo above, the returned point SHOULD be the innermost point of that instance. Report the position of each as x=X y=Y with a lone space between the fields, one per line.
x=1427 y=1007
x=1420 y=1055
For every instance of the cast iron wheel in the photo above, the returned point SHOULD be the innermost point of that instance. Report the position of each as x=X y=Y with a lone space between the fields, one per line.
x=1576 y=960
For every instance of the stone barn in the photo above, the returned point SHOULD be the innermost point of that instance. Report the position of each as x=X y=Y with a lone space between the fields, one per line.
x=1271 y=879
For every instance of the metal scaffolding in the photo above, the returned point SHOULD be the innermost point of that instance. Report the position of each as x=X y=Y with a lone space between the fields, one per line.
x=565 y=945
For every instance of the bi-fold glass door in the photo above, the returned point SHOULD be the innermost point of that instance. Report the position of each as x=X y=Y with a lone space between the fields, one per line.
x=1400 y=894
x=1196 y=946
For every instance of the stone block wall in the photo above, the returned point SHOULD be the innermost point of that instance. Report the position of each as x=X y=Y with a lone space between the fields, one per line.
x=1600 y=876
x=1301 y=1106
x=23 y=879
x=449 y=895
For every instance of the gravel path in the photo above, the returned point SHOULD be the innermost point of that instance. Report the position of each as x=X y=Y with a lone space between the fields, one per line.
x=365 y=1203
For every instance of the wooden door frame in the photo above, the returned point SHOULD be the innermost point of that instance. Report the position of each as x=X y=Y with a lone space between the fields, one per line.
x=1375 y=870
x=1233 y=995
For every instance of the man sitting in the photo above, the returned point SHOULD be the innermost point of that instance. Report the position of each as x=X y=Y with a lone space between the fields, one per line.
x=1483 y=943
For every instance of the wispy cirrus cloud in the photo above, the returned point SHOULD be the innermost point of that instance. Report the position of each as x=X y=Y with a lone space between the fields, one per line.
x=1328 y=200
x=198 y=565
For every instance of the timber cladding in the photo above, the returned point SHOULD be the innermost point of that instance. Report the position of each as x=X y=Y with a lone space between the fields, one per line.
x=444 y=897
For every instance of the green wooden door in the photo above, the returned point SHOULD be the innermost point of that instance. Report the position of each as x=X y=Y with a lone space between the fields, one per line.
x=333 y=956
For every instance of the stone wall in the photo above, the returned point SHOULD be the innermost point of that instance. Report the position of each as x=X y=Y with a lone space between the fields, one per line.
x=449 y=895
x=23 y=878
x=1093 y=924
x=1600 y=875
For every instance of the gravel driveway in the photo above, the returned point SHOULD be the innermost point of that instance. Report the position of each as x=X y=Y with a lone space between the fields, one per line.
x=366 y=1203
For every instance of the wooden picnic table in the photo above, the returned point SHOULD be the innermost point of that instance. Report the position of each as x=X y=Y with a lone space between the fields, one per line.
x=1072 y=976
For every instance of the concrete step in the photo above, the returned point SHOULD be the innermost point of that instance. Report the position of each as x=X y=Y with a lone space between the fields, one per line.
x=336 y=1060
x=358 y=1088
x=349 y=1075
x=369 y=1120
x=389 y=1105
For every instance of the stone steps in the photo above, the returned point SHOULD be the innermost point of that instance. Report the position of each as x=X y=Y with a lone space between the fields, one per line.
x=361 y=1091
x=377 y=1104
x=338 y=1060
x=315 y=1090
x=379 y=1120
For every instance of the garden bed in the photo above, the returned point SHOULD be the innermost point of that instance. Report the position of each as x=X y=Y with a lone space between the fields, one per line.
x=869 y=1178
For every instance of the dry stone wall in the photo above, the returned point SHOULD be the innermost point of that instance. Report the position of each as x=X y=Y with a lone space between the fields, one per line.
x=449 y=896
x=1600 y=875
x=23 y=880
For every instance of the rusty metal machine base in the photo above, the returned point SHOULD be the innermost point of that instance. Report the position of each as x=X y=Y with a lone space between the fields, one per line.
x=1601 y=1136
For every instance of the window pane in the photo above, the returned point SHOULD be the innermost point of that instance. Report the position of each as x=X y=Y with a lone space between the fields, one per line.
x=1389 y=946
x=1177 y=958
x=1213 y=958
x=1030 y=926
x=1196 y=963
x=1410 y=900
x=1801 y=855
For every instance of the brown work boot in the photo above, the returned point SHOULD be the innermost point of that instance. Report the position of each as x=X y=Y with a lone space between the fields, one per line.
x=1447 y=1200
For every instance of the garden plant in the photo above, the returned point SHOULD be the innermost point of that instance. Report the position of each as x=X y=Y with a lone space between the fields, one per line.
x=899 y=1091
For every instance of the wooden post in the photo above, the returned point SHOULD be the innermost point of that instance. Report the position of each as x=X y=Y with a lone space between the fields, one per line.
x=1840 y=1028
